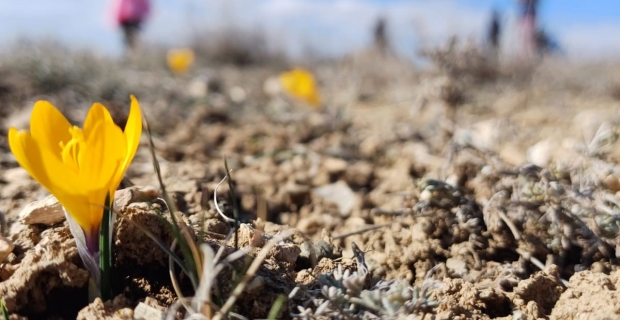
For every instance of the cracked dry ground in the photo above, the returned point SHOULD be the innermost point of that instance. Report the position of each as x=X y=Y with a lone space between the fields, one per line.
x=413 y=184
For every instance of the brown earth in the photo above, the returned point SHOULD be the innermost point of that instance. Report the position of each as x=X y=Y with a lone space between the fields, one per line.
x=461 y=184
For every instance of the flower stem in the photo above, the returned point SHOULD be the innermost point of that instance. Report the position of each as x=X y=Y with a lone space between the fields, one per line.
x=105 y=251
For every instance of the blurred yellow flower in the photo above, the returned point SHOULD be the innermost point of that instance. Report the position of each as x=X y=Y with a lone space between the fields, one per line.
x=179 y=60
x=80 y=167
x=300 y=84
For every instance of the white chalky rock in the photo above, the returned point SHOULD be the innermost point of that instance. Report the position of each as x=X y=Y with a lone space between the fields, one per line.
x=339 y=193
x=47 y=211
x=541 y=153
x=146 y=312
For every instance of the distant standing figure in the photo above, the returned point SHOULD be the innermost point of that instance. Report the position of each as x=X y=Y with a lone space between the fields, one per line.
x=380 y=35
x=495 y=30
x=527 y=21
x=130 y=15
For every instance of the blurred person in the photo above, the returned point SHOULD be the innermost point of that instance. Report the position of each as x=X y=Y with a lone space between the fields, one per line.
x=130 y=15
x=527 y=26
x=380 y=35
x=494 y=32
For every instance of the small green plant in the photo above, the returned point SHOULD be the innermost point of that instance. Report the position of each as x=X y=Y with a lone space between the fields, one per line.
x=5 y=312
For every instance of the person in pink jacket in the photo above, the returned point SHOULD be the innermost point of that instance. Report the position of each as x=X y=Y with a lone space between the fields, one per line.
x=130 y=15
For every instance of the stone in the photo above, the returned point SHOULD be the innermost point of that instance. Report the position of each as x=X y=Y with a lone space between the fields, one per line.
x=340 y=194
x=456 y=266
x=133 y=194
x=307 y=256
x=47 y=211
x=146 y=312
x=237 y=94
x=541 y=153
x=6 y=247
x=335 y=165
x=482 y=135
x=285 y=252
x=271 y=86
x=197 y=88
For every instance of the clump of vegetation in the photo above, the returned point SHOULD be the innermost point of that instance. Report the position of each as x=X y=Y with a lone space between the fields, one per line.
x=344 y=295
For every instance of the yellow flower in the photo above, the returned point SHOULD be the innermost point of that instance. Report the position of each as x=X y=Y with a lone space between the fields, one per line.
x=179 y=60
x=80 y=167
x=300 y=84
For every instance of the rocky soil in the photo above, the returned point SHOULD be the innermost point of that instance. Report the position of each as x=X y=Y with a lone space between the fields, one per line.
x=468 y=195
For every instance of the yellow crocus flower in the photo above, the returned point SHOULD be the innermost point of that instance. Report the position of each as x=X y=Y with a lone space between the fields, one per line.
x=179 y=60
x=300 y=84
x=80 y=167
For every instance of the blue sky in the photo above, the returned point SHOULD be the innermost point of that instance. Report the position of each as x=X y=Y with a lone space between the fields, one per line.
x=585 y=29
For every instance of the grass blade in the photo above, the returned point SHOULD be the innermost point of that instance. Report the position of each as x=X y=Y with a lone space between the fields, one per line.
x=187 y=245
x=276 y=307
x=5 y=312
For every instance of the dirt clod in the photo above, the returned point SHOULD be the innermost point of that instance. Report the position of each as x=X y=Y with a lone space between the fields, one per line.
x=589 y=295
x=51 y=265
x=117 y=309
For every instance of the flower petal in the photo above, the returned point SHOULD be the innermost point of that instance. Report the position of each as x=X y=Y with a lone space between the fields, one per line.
x=105 y=151
x=87 y=245
x=49 y=127
x=79 y=206
x=52 y=174
x=41 y=163
x=133 y=131
x=18 y=140
x=96 y=113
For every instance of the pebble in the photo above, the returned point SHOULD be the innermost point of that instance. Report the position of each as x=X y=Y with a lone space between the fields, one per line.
x=307 y=256
x=47 y=211
x=146 y=312
x=541 y=153
x=286 y=252
x=6 y=247
x=457 y=266
x=340 y=194
x=335 y=165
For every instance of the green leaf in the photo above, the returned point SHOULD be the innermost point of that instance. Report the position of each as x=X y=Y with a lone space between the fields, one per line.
x=276 y=307
x=5 y=312
x=106 y=264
